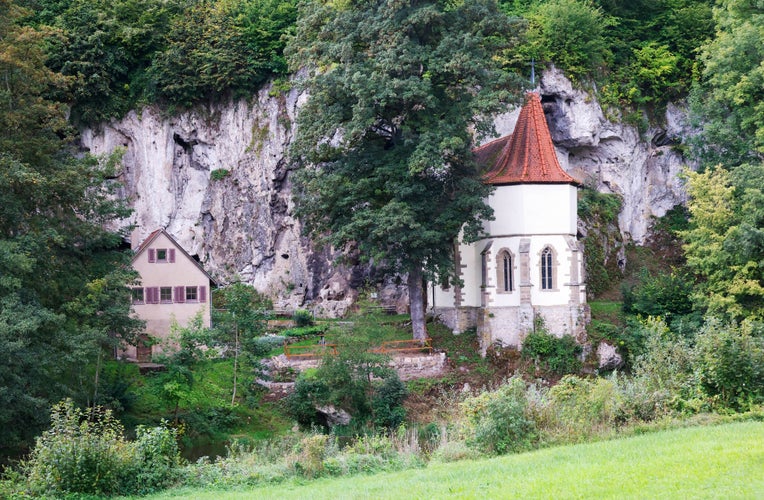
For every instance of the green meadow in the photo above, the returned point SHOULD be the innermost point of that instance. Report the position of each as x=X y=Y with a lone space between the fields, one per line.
x=724 y=461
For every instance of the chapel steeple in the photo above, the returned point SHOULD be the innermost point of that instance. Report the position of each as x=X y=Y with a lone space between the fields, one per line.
x=528 y=155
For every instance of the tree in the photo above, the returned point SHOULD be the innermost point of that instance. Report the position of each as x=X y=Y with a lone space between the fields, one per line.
x=570 y=34
x=62 y=275
x=384 y=141
x=728 y=100
x=725 y=242
x=241 y=316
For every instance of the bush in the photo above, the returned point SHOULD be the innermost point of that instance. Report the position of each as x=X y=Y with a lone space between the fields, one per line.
x=558 y=355
x=302 y=318
x=666 y=368
x=305 y=331
x=387 y=403
x=579 y=408
x=499 y=421
x=85 y=452
x=730 y=360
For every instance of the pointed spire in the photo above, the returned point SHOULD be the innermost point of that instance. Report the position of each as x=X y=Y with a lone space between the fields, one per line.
x=533 y=72
x=528 y=155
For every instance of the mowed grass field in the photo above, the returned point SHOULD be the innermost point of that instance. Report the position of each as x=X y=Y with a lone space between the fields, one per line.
x=725 y=461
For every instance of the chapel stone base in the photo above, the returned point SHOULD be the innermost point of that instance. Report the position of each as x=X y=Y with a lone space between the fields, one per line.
x=508 y=326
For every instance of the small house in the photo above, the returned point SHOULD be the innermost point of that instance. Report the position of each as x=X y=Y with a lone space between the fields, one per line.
x=173 y=288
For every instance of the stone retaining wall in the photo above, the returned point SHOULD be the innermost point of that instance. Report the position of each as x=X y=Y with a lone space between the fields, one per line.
x=408 y=366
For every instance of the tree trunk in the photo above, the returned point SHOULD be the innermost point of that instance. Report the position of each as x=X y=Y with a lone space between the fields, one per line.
x=416 y=303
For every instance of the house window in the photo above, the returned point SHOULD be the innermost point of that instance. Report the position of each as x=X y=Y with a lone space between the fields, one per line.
x=161 y=255
x=192 y=294
x=165 y=295
x=547 y=281
x=483 y=269
x=504 y=267
x=137 y=295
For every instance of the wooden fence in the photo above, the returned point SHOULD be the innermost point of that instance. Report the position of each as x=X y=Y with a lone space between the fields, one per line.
x=402 y=346
x=309 y=351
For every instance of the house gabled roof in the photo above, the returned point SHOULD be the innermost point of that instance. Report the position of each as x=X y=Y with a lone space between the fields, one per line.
x=153 y=236
x=527 y=156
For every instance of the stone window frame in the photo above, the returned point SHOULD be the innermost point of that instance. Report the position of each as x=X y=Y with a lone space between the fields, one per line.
x=501 y=285
x=552 y=265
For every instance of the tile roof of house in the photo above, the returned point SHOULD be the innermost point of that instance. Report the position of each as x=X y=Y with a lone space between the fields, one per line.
x=527 y=156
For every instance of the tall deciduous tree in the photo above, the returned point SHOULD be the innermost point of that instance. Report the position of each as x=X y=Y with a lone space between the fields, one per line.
x=730 y=97
x=396 y=89
x=725 y=243
x=63 y=297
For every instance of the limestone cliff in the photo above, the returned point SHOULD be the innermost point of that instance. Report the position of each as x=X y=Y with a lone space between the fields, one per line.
x=217 y=179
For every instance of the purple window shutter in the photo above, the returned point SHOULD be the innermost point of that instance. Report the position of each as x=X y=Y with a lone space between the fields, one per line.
x=202 y=294
x=171 y=253
x=155 y=295
x=152 y=255
x=180 y=294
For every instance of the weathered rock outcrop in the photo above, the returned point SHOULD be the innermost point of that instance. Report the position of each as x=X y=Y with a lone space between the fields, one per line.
x=613 y=156
x=217 y=179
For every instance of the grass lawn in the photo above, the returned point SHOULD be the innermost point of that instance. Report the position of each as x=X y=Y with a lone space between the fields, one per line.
x=725 y=461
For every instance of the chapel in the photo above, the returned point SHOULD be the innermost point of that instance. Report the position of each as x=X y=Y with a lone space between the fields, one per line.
x=527 y=270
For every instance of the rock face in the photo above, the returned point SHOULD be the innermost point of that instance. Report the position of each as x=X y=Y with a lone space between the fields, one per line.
x=612 y=156
x=217 y=179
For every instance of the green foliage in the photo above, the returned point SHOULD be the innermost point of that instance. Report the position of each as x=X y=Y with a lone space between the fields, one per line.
x=665 y=295
x=124 y=53
x=728 y=98
x=302 y=318
x=599 y=211
x=569 y=34
x=578 y=408
x=730 y=360
x=305 y=331
x=667 y=367
x=383 y=148
x=85 y=452
x=725 y=242
x=387 y=406
x=558 y=355
x=64 y=303
x=219 y=174
x=355 y=380
x=217 y=47
x=107 y=47
x=500 y=420
x=654 y=45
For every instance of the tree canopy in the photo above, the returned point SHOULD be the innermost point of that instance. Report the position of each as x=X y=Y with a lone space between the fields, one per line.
x=384 y=140
x=63 y=298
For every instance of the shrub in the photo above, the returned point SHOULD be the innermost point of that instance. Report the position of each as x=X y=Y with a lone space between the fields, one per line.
x=311 y=453
x=666 y=367
x=387 y=403
x=305 y=331
x=557 y=355
x=85 y=452
x=302 y=318
x=730 y=360
x=578 y=408
x=219 y=174
x=499 y=421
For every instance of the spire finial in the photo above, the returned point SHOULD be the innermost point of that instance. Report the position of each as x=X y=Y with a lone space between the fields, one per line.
x=533 y=72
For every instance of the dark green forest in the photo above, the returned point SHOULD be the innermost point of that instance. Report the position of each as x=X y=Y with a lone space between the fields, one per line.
x=66 y=64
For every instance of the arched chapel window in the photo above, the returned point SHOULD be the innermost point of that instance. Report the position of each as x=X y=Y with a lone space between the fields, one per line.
x=504 y=268
x=547 y=269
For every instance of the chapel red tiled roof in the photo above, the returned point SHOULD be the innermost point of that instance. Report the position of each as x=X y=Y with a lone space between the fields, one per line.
x=527 y=156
